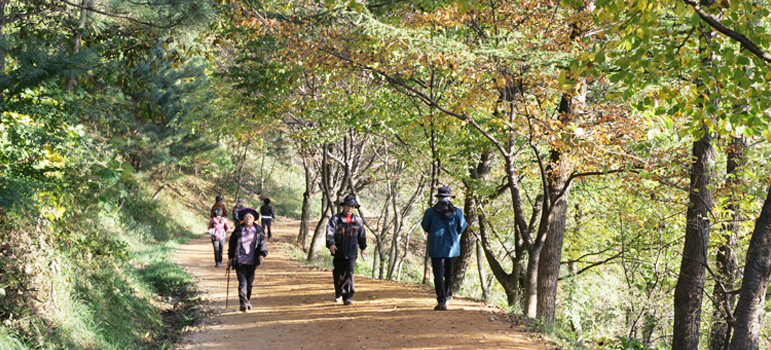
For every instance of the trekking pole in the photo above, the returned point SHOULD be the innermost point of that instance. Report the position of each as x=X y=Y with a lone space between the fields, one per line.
x=227 y=290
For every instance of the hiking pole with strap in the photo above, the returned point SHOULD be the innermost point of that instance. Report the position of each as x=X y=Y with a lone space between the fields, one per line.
x=227 y=290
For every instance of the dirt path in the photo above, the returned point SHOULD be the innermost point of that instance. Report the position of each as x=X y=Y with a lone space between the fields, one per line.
x=294 y=309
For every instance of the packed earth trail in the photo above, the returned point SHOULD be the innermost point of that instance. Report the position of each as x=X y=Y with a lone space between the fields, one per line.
x=294 y=308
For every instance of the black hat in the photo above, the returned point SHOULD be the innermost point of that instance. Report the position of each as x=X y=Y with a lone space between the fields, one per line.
x=445 y=191
x=218 y=199
x=245 y=211
x=350 y=200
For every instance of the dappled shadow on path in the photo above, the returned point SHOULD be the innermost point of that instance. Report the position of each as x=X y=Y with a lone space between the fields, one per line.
x=294 y=309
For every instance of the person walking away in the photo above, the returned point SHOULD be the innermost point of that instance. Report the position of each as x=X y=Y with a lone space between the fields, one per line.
x=247 y=249
x=236 y=208
x=443 y=223
x=266 y=211
x=345 y=235
x=218 y=204
x=218 y=228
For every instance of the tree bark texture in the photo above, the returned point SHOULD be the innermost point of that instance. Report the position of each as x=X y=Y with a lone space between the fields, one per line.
x=549 y=260
x=468 y=237
x=690 y=282
x=725 y=261
x=482 y=276
x=752 y=297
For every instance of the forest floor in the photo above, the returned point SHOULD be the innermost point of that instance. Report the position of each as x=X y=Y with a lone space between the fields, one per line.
x=294 y=309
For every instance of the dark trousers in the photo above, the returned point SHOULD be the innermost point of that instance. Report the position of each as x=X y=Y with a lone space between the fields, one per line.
x=343 y=276
x=266 y=227
x=219 y=245
x=245 y=279
x=443 y=276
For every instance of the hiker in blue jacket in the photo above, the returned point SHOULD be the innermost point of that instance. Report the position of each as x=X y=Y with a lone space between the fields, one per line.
x=443 y=223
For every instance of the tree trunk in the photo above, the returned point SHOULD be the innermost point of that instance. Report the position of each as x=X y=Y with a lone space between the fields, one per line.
x=725 y=261
x=481 y=270
x=305 y=218
x=468 y=238
x=375 y=260
x=551 y=254
x=752 y=298
x=507 y=281
x=3 y=4
x=319 y=237
x=79 y=38
x=305 y=214
x=690 y=282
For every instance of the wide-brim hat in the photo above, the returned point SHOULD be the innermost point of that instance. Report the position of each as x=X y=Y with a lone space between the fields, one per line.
x=350 y=200
x=245 y=211
x=445 y=191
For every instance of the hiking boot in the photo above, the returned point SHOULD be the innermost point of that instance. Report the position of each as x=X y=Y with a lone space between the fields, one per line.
x=218 y=265
x=448 y=300
x=440 y=306
x=338 y=299
x=243 y=308
x=347 y=302
x=249 y=305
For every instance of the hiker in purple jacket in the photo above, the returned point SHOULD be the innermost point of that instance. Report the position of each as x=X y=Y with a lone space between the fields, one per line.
x=444 y=223
x=345 y=235
x=218 y=229
x=247 y=249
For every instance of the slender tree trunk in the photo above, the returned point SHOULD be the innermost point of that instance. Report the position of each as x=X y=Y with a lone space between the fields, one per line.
x=79 y=38
x=305 y=213
x=434 y=186
x=394 y=253
x=305 y=218
x=468 y=237
x=3 y=4
x=481 y=270
x=319 y=237
x=241 y=171
x=375 y=261
x=725 y=260
x=507 y=281
x=752 y=297
x=690 y=283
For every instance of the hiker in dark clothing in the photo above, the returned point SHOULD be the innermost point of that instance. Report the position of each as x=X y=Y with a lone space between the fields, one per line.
x=345 y=234
x=219 y=204
x=218 y=229
x=266 y=211
x=247 y=249
x=236 y=208
x=444 y=223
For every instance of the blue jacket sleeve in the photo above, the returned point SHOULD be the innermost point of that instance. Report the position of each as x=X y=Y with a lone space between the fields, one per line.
x=426 y=223
x=461 y=220
x=331 y=231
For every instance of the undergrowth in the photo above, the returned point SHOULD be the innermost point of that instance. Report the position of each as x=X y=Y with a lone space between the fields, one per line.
x=115 y=288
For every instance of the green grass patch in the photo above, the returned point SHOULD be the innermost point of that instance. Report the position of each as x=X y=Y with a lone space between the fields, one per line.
x=116 y=288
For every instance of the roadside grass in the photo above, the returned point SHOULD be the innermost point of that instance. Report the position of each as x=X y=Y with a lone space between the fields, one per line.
x=119 y=290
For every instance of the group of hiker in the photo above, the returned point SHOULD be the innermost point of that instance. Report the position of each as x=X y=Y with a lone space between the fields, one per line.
x=345 y=237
